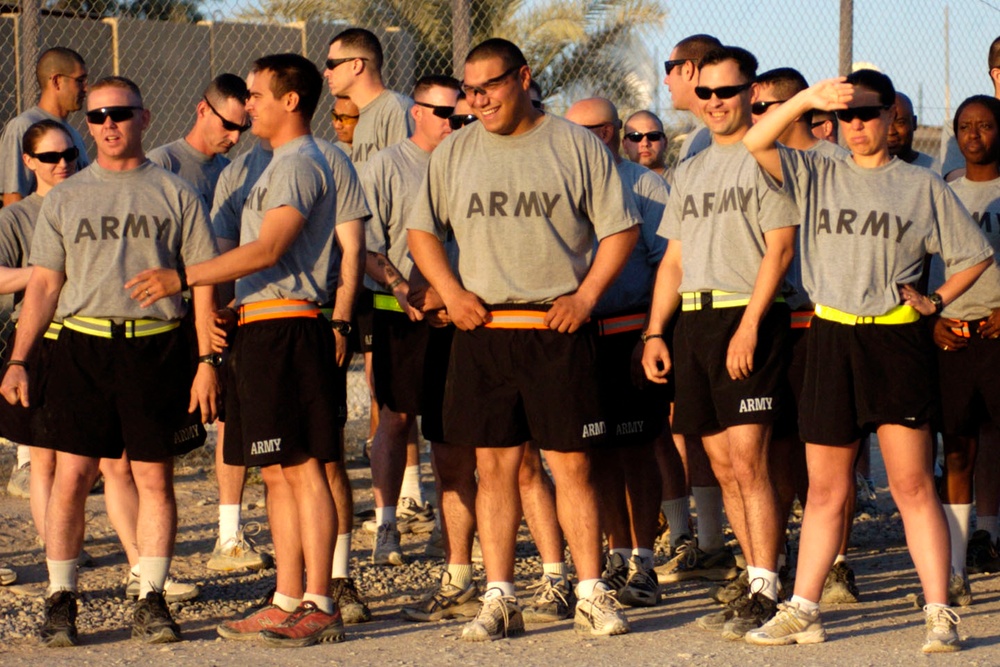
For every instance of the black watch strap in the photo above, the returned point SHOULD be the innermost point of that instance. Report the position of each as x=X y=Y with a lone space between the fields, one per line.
x=343 y=327
x=213 y=359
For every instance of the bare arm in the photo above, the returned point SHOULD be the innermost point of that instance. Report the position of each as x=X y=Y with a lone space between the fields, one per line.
x=13 y=280
x=664 y=303
x=351 y=239
x=205 y=387
x=40 y=299
x=465 y=308
x=11 y=198
x=952 y=288
x=380 y=269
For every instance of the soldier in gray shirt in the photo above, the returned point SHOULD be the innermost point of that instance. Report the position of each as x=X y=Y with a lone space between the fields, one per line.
x=220 y=120
x=681 y=78
x=543 y=224
x=869 y=354
x=901 y=136
x=62 y=78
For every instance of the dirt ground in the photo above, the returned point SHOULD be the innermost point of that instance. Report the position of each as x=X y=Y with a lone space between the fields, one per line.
x=884 y=629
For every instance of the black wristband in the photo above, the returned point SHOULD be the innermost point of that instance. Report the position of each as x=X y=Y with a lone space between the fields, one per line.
x=182 y=274
x=394 y=284
x=646 y=336
x=17 y=362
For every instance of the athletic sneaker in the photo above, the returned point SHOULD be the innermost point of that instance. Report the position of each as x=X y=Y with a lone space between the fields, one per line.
x=7 y=576
x=173 y=591
x=151 y=621
x=499 y=617
x=942 y=637
x=641 y=589
x=353 y=608
x=59 y=627
x=959 y=593
x=716 y=620
x=435 y=544
x=387 y=550
x=983 y=555
x=615 y=571
x=19 y=485
x=759 y=610
x=239 y=553
x=553 y=600
x=262 y=616
x=600 y=615
x=840 y=587
x=414 y=518
x=791 y=625
x=306 y=626
x=737 y=589
x=690 y=562
x=447 y=601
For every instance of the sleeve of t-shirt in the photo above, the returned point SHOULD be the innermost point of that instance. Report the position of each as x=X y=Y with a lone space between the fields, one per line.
x=670 y=225
x=47 y=248
x=226 y=207
x=197 y=240
x=297 y=182
x=11 y=251
x=951 y=157
x=610 y=204
x=351 y=203
x=398 y=126
x=430 y=210
x=652 y=202
x=373 y=177
x=159 y=156
x=956 y=237
x=14 y=176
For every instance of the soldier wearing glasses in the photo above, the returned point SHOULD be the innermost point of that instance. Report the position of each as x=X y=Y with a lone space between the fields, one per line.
x=681 y=78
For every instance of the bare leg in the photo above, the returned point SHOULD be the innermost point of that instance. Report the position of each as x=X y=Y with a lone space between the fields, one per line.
x=43 y=471
x=539 y=504
x=230 y=478
x=612 y=502
x=157 y=518
x=340 y=490
x=643 y=484
x=64 y=516
x=317 y=526
x=717 y=448
x=121 y=501
x=498 y=509
x=389 y=456
x=455 y=468
x=374 y=408
x=576 y=504
x=283 y=516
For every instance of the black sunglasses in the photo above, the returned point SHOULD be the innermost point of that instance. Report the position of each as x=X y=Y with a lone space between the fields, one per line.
x=865 y=114
x=490 y=85
x=722 y=92
x=228 y=125
x=53 y=157
x=669 y=65
x=116 y=114
x=343 y=117
x=334 y=63
x=440 y=112
x=636 y=137
x=460 y=120
x=758 y=108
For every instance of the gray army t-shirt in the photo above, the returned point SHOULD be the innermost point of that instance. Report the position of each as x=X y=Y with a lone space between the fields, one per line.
x=982 y=200
x=17 y=226
x=14 y=175
x=634 y=285
x=384 y=121
x=927 y=162
x=865 y=232
x=698 y=139
x=720 y=208
x=525 y=209
x=200 y=170
x=102 y=227
x=297 y=176
x=392 y=180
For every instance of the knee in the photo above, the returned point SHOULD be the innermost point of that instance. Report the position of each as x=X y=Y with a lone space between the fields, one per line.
x=911 y=488
x=828 y=494
x=749 y=470
x=958 y=462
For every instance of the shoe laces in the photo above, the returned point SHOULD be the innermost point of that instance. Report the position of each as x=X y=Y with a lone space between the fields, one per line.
x=492 y=604
x=546 y=590
x=244 y=534
x=604 y=603
x=687 y=553
x=941 y=619
x=384 y=535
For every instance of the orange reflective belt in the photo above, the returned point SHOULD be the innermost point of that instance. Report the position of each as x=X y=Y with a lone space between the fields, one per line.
x=277 y=309
x=802 y=319
x=609 y=326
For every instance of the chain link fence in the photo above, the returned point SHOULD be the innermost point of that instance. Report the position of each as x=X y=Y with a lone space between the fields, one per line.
x=934 y=50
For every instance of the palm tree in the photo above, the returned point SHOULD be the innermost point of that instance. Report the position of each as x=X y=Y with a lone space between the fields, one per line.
x=576 y=47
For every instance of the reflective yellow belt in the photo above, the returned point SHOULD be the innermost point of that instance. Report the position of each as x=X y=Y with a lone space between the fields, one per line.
x=104 y=328
x=898 y=315
x=518 y=317
x=52 y=333
x=608 y=326
x=276 y=309
x=716 y=299
x=387 y=302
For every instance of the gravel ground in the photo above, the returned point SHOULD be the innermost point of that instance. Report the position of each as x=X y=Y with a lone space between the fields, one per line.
x=883 y=630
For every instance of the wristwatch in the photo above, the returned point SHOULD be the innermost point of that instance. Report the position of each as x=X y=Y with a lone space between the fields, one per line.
x=213 y=359
x=938 y=302
x=343 y=327
x=646 y=336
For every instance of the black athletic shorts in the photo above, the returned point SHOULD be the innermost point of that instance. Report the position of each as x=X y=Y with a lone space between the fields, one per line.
x=787 y=424
x=707 y=399
x=286 y=395
x=435 y=376
x=865 y=375
x=398 y=350
x=970 y=385
x=635 y=416
x=508 y=386
x=360 y=338
x=15 y=420
x=103 y=396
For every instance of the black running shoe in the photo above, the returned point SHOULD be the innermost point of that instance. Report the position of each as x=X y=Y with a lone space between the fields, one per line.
x=59 y=628
x=152 y=623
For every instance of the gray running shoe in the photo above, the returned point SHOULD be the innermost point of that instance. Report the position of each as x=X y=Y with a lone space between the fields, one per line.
x=759 y=610
x=387 y=550
x=7 y=576
x=716 y=620
x=840 y=587
x=499 y=617
x=791 y=625
x=151 y=621
x=690 y=562
x=553 y=600
x=641 y=589
x=942 y=637
x=615 y=571
x=414 y=518
x=240 y=553
x=447 y=601
x=983 y=556
x=59 y=627
x=738 y=588
x=19 y=485
x=353 y=608
x=600 y=615
x=173 y=591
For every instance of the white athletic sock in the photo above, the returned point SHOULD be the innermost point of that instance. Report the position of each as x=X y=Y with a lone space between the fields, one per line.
x=555 y=570
x=285 y=602
x=708 y=505
x=62 y=575
x=645 y=556
x=385 y=515
x=586 y=588
x=325 y=604
x=841 y=558
x=460 y=576
x=990 y=524
x=23 y=455
x=624 y=553
x=411 y=485
x=499 y=588
x=768 y=579
x=958 y=529
x=229 y=522
x=805 y=605
x=152 y=574
x=341 y=556
x=678 y=518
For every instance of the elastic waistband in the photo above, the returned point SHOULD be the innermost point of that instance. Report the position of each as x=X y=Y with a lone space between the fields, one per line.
x=277 y=309
x=103 y=328
x=802 y=319
x=716 y=299
x=898 y=315
x=518 y=316
x=387 y=302
x=608 y=326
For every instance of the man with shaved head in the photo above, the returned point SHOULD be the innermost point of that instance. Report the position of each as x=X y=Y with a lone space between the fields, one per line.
x=681 y=78
x=629 y=488
x=901 y=136
x=645 y=142
x=62 y=78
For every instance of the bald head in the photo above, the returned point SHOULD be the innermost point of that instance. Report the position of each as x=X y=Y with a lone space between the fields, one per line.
x=600 y=116
x=57 y=60
x=900 y=139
